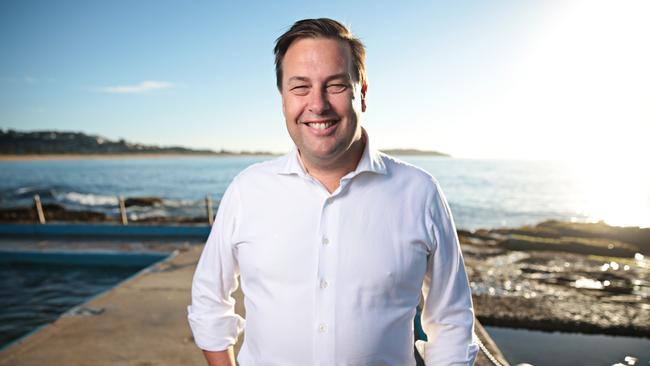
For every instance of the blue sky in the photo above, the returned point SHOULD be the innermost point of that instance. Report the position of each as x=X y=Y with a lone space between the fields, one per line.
x=504 y=79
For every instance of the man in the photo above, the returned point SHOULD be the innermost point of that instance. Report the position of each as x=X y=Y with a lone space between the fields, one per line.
x=335 y=242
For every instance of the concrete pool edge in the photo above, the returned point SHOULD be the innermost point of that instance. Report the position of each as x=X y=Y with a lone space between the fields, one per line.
x=94 y=258
x=163 y=256
x=104 y=230
x=128 y=329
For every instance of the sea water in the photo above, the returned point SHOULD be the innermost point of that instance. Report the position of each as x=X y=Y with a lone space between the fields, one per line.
x=482 y=193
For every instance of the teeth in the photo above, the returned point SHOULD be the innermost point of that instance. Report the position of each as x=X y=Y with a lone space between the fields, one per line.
x=321 y=125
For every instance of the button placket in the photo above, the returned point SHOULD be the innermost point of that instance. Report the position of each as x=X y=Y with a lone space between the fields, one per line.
x=325 y=293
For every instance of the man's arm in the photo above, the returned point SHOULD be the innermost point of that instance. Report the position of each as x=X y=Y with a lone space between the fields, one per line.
x=212 y=317
x=447 y=315
x=220 y=358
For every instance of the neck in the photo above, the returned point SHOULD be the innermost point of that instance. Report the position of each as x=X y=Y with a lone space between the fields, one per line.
x=330 y=173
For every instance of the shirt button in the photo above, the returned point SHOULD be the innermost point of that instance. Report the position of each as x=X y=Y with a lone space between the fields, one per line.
x=325 y=241
x=324 y=284
x=322 y=328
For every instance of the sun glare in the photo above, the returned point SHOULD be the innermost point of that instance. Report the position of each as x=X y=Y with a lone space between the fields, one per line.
x=577 y=87
x=616 y=191
x=581 y=88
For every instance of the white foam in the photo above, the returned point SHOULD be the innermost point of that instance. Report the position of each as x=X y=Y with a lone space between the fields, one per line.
x=88 y=199
x=181 y=203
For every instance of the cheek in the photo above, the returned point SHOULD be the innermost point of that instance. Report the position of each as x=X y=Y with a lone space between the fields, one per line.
x=290 y=107
x=342 y=103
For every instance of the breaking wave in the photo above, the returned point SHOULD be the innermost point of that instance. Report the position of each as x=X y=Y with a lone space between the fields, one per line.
x=107 y=204
x=87 y=199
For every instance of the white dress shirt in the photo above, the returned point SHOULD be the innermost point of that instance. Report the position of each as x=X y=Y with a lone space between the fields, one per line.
x=334 y=279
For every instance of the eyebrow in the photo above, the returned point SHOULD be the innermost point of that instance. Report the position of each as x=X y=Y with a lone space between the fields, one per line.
x=329 y=78
x=297 y=78
x=339 y=76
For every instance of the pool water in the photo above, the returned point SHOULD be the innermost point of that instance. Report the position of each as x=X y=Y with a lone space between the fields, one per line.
x=554 y=348
x=35 y=290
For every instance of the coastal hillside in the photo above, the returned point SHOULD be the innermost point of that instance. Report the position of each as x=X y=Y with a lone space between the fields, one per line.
x=57 y=142
x=19 y=143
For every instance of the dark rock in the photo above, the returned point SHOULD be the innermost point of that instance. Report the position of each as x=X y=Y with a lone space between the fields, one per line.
x=637 y=238
x=572 y=315
x=142 y=201
x=577 y=283
x=569 y=245
x=52 y=212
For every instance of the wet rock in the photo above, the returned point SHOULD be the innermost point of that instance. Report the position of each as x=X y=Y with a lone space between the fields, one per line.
x=52 y=212
x=638 y=238
x=142 y=201
x=569 y=245
x=555 y=283
x=580 y=314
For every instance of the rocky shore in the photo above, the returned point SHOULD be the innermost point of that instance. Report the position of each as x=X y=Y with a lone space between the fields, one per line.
x=558 y=276
x=55 y=212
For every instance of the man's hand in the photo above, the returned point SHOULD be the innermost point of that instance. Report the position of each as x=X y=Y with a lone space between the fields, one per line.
x=220 y=358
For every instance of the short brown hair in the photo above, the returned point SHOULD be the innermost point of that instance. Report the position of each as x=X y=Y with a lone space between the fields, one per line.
x=321 y=28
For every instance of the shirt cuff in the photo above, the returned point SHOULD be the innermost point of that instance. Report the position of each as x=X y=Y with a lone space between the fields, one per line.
x=457 y=357
x=214 y=332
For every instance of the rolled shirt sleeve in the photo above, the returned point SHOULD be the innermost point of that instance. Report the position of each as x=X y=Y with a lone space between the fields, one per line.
x=211 y=315
x=447 y=314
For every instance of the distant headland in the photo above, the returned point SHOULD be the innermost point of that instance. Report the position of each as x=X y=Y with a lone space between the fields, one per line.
x=21 y=145
x=59 y=144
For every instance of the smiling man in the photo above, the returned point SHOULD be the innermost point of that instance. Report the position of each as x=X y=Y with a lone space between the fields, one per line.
x=335 y=243
x=322 y=97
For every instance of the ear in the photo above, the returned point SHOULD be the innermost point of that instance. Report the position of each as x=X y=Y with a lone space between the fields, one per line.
x=364 y=89
x=281 y=98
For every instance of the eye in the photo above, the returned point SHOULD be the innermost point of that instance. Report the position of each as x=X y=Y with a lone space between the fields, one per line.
x=337 y=88
x=300 y=89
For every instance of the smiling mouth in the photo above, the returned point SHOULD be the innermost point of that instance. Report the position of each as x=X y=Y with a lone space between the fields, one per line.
x=321 y=125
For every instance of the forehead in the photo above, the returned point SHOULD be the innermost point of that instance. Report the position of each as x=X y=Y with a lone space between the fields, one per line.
x=314 y=57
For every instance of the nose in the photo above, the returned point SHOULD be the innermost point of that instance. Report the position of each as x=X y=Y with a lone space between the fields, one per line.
x=318 y=103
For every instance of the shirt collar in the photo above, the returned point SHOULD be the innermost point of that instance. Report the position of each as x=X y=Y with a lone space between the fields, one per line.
x=371 y=161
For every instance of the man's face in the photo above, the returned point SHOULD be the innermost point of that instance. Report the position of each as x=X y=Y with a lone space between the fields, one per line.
x=320 y=102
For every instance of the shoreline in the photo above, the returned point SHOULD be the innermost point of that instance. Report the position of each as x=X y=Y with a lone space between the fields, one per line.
x=158 y=155
x=49 y=157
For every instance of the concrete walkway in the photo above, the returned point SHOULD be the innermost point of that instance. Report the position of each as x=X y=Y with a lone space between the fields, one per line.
x=142 y=322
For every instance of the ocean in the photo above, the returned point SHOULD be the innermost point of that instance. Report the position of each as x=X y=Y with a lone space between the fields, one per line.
x=481 y=193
